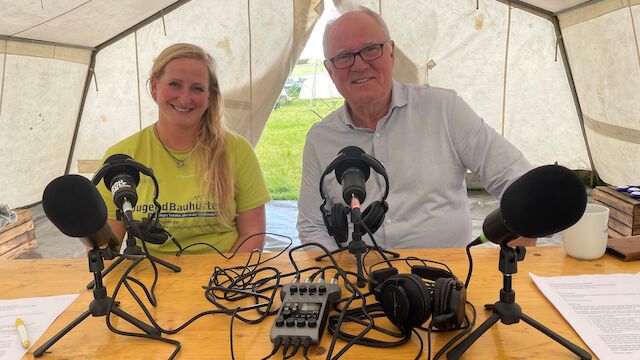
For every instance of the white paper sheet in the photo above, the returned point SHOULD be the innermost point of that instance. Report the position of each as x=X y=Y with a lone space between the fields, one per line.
x=603 y=309
x=38 y=313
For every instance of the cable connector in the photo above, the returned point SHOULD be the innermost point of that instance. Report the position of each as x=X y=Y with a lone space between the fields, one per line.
x=285 y=346
x=306 y=343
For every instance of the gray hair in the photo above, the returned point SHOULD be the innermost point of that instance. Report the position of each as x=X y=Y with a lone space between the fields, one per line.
x=376 y=17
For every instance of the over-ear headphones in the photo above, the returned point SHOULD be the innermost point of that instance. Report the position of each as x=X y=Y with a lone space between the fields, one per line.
x=335 y=220
x=149 y=229
x=117 y=162
x=409 y=301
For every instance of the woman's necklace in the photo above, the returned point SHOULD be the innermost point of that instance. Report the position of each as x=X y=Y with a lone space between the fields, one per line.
x=179 y=162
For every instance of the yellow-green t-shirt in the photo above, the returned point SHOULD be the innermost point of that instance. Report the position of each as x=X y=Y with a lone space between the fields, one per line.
x=183 y=212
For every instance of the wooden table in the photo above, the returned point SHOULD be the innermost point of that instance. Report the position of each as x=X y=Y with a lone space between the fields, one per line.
x=180 y=296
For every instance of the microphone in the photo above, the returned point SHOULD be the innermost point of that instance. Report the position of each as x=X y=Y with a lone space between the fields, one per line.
x=542 y=202
x=122 y=180
x=75 y=207
x=352 y=172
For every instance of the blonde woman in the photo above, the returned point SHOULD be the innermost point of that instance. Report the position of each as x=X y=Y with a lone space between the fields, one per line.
x=211 y=186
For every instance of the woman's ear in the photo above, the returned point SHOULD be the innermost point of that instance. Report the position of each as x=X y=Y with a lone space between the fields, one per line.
x=154 y=88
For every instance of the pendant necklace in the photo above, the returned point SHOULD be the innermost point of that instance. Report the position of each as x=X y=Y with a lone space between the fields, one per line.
x=179 y=162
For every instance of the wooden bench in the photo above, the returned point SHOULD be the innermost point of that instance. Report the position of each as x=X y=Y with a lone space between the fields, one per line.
x=19 y=237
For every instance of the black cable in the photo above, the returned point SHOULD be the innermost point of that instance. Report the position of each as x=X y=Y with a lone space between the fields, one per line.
x=373 y=241
x=233 y=316
x=276 y=346
x=421 y=344
x=179 y=253
x=141 y=335
x=285 y=347
x=475 y=242
x=467 y=329
x=349 y=286
x=296 y=346
x=306 y=343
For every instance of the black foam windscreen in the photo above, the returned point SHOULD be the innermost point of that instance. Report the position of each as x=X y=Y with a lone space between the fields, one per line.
x=120 y=167
x=351 y=157
x=544 y=201
x=74 y=205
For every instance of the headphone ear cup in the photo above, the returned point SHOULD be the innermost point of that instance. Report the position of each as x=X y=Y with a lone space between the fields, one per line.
x=406 y=300
x=338 y=223
x=377 y=278
x=152 y=232
x=373 y=215
x=450 y=298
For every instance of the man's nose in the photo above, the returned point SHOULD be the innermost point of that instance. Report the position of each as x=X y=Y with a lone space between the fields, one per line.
x=359 y=63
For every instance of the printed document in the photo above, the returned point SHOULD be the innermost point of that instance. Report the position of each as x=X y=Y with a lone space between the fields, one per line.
x=603 y=309
x=38 y=313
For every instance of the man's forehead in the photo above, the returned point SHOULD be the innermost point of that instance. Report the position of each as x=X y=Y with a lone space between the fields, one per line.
x=353 y=36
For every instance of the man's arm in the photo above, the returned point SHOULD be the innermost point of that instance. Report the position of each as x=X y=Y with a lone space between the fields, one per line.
x=310 y=224
x=488 y=154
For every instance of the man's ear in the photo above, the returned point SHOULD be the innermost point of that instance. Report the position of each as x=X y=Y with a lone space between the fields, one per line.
x=329 y=67
x=392 y=53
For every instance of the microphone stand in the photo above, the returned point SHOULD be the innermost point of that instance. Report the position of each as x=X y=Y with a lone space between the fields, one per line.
x=101 y=304
x=357 y=246
x=134 y=250
x=508 y=311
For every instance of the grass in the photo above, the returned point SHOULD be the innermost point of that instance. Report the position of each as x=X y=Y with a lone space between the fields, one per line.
x=282 y=142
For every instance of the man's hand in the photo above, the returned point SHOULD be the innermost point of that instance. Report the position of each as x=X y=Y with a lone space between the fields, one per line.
x=523 y=241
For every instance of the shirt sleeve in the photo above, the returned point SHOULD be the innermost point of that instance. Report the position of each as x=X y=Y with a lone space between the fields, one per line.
x=483 y=151
x=251 y=189
x=311 y=227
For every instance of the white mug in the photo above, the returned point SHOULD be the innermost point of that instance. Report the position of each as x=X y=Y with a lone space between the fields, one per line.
x=587 y=239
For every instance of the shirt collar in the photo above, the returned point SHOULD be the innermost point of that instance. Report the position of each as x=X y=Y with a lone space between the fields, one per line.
x=398 y=99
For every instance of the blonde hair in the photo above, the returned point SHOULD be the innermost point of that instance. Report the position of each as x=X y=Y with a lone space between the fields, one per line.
x=210 y=144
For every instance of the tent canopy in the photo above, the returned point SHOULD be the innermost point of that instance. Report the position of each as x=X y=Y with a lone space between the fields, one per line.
x=559 y=79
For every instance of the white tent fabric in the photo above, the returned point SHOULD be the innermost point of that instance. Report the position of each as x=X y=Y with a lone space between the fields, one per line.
x=318 y=86
x=73 y=73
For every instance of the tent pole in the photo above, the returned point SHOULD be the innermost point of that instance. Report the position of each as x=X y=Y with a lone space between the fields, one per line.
x=574 y=94
x=87 y=84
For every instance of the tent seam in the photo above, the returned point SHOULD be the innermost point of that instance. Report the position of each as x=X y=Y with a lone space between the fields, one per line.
x=504 y=78
x=53 y=18
x=135 y=41
x=635 y=35
x=4 y=67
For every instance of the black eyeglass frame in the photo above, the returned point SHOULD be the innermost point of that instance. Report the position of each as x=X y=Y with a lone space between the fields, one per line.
x=359 y=53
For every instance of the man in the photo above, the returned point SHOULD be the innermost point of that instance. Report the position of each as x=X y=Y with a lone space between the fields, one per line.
x=425 y=137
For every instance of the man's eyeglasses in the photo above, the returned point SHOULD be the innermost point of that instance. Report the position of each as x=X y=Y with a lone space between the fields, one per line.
x=369 y=53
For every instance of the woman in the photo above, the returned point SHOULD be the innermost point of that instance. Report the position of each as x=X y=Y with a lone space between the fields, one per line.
x=211 y=186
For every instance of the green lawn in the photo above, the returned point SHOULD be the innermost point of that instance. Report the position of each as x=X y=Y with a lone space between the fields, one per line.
x=281 y=144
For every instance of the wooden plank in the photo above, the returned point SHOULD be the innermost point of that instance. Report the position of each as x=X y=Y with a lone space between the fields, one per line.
x=20 y=250
x=619 y=215
x=17 y=241
x=88 y=166
x=612 y=202
x=16 y=231
x=615 y=234
x=620 y=227
x=618 y=200
x=23 y=217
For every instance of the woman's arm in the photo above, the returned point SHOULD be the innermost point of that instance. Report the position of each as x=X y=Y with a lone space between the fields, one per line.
x=118 y=230
x=248 y=223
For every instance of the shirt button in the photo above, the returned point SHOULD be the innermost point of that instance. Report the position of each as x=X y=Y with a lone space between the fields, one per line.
x=388 y=221
x=377 y=134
